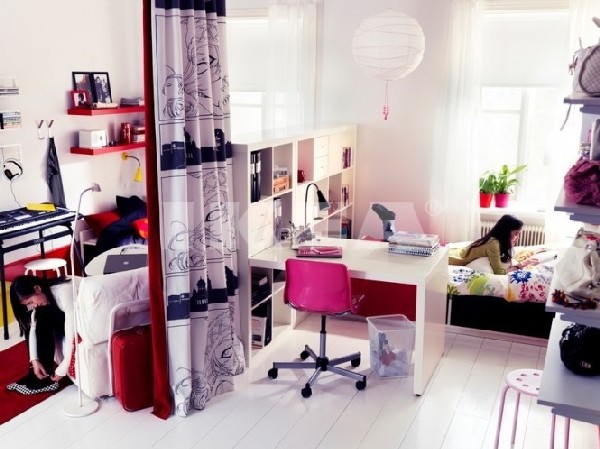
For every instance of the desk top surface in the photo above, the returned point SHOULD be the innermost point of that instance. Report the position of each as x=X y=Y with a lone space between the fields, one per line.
x=365 y=259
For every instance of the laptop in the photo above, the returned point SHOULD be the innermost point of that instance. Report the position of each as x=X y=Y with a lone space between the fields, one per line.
x=116 y=263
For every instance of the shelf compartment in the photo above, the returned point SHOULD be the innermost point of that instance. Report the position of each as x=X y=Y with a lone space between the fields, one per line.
x=568 y=394
x=579 y=212
x=106 y=150
x=119 y=110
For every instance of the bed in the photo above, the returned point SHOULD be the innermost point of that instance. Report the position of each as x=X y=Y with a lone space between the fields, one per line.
x=512 y=303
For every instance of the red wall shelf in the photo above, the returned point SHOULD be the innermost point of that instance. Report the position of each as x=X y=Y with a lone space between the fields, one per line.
x=119 y=110
x=106 y=150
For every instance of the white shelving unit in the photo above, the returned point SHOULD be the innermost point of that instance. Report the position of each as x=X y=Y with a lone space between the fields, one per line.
x=571 y=395
x=327 y=157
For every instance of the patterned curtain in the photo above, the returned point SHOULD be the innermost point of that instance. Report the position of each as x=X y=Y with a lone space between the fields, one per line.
x=197 y=263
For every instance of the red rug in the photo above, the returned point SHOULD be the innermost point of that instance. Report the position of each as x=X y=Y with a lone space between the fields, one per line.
x=14 y=362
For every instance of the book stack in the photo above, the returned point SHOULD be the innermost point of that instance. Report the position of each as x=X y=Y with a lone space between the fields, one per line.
x=10 y=119
x=127 y=102
x=413 y=244
x=138 y=133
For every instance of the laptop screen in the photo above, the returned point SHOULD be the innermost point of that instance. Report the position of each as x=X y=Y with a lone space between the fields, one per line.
x=115 y=263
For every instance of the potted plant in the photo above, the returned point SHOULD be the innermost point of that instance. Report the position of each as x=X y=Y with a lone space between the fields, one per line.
x=487 y=188
x=505 y=180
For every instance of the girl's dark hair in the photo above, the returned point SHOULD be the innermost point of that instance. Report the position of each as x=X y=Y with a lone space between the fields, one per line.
x=23 y=286
x=501 y=232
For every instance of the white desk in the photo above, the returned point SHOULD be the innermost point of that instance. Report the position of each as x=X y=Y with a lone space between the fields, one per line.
x=371 y=260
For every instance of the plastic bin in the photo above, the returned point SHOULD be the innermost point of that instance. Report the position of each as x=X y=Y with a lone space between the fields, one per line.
x=392 y=342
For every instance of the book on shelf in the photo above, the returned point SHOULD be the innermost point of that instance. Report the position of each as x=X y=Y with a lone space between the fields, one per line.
x=136 y=101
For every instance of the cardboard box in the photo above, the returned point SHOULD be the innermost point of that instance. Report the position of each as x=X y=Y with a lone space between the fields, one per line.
x=281 y=183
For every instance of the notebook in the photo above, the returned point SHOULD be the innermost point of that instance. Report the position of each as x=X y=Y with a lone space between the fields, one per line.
x=115 y=263
x=319 y=251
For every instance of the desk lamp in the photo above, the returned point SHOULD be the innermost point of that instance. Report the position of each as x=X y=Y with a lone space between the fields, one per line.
x=323 y=204
x=84 y=406
x=138 y=172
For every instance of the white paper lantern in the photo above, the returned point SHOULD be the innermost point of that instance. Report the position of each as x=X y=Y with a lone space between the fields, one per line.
x=388 y=46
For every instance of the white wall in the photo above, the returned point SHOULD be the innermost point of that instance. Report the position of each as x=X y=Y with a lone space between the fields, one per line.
x=43 y=42
x=395 y=155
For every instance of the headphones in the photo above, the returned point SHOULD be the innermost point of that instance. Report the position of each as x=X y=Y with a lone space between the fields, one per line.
x=12 y=173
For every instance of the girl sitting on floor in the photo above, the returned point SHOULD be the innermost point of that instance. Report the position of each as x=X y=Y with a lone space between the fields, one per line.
x=42 y=322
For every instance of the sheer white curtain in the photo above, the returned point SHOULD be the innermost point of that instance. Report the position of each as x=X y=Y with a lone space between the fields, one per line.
x=455 y=189
x=291 y=74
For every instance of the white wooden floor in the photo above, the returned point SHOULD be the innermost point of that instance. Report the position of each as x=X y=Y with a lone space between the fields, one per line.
x=458 y=409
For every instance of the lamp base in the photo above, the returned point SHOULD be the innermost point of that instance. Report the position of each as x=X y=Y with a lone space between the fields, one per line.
x=87 y=407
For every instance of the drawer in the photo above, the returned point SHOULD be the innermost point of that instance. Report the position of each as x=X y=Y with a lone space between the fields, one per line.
x=260 y=239
x=321 y=167
x=260 y=214
x=321 y=146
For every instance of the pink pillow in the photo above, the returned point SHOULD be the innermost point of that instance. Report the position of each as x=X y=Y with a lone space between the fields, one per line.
x=99 y=221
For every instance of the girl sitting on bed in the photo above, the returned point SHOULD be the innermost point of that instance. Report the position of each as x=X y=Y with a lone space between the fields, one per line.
x=42 y=322
x=497 y=245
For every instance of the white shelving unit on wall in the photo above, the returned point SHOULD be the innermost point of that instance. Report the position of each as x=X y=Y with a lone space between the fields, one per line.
x=326 y=156
x=568 y=394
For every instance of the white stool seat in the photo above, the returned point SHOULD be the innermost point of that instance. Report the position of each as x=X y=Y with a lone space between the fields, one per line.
x=527 y=382
x=46 y=264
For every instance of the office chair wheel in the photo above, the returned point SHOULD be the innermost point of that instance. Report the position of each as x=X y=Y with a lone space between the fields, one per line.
x=355 y=362
x=361 y=384
x=304 y=355
x=272 y=373
x=306 y=391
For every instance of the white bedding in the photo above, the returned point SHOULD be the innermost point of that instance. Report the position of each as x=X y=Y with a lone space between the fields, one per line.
x=97 y=295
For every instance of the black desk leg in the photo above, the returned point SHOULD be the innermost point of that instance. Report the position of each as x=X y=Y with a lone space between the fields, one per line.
x=4 y=299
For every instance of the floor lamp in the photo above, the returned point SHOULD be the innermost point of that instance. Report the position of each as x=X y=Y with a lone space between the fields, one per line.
x=84 y=406
x=323 y=204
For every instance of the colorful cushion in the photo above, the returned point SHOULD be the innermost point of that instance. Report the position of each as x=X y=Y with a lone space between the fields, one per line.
x=141 y=227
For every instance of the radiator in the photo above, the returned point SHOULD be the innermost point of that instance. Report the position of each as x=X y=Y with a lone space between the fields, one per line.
x=530 y=234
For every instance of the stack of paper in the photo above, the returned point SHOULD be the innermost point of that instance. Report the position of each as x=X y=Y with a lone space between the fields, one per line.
x=414 y=244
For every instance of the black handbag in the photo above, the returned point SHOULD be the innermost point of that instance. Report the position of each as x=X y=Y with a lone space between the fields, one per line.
x=580 y=349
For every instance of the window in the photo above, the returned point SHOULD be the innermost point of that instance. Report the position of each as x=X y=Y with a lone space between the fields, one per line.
x=524 y=69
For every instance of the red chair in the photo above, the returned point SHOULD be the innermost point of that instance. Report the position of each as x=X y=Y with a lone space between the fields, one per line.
x=323 y=288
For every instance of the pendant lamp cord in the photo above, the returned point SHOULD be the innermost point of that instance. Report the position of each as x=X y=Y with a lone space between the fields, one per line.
x=386 y=107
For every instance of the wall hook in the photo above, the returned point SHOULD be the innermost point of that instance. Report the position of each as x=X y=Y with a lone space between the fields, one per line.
x=50 y=134
x=39 y=127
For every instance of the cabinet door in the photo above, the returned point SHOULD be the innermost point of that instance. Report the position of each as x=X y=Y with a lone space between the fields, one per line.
x=260 y=214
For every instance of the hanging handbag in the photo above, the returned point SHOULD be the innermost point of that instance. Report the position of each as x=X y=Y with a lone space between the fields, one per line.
x=586 y=71
x=577 y=274
x=579 y=349
x=582 y=182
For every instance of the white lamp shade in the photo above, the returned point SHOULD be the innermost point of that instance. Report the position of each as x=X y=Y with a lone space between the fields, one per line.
x=388 y=45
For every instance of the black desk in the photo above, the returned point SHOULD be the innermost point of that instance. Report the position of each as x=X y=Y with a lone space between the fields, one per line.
x=22 y=222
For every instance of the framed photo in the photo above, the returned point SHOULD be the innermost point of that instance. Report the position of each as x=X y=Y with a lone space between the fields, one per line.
x=82 y=81
x=100 y=87
x=80 y=99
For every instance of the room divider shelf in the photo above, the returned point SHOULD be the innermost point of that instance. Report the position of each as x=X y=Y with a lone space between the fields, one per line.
x=106 y=150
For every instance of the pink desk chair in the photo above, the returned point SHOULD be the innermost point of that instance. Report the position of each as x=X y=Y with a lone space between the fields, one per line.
x=323 y=288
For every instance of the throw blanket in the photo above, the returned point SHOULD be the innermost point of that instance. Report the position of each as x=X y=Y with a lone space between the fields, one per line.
x=530 y=284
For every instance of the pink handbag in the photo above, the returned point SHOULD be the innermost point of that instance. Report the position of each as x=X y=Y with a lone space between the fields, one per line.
x=582 y=182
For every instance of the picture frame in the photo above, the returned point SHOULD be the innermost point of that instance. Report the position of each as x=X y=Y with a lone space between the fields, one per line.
x=83 y=81
x=80 y=99
x=100 y=83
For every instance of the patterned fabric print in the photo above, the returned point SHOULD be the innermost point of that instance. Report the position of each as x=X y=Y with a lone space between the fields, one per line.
x=530 y=285
x=24 y=389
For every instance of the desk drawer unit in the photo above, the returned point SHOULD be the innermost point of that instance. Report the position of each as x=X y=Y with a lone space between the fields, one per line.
x=260 y=215
x=321 y=167
x=321 y=146
x=260 y=239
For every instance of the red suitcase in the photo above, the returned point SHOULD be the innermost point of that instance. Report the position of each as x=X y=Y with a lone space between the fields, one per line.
x=131 y=352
